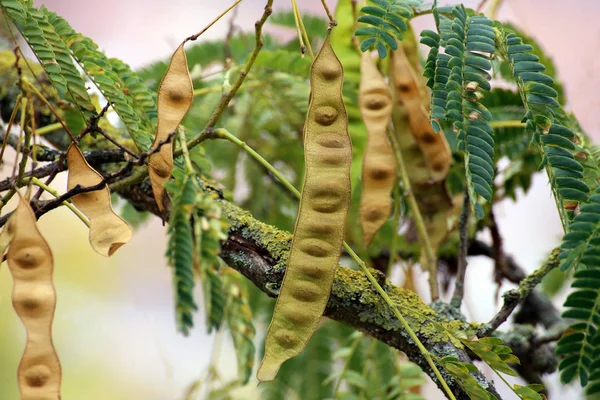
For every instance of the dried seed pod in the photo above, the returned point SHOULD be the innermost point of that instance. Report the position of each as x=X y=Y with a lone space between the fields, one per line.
x=379 y=173
x=6 y=236
x=108 y=231
x=433 y=146
x=426 y=153
x=34 y=300
x=175 y=97
x=319 y=231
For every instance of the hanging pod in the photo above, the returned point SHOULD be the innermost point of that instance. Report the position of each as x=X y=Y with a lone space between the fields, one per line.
x=426 y=153
x=175 y=97
x=379 y=173
x=108 y=231
x=319 y=231
x=34 y=300
x=432 y=145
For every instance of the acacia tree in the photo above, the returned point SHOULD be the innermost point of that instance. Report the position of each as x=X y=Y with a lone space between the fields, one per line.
x=426 y=141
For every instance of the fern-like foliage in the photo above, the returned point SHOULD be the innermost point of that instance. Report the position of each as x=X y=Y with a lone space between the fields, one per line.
x=461 y=372
x=372 y=370
x=144 y=100
x=209 y=230
x=386 y=20
x=437 y=72
x=239 y=320
x=557 y=143
x=180 y=249
x=52 y=53
x=561 y=152
x=100 y=69
x=458 y=80
x=580 y=345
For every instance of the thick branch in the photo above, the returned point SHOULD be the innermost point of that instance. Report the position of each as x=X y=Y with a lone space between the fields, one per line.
x=259 y=252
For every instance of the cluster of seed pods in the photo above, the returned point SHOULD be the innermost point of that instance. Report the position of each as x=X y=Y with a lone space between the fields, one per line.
x=34 y=300
x=379 y=174
x=319 y=231
x=175 y=97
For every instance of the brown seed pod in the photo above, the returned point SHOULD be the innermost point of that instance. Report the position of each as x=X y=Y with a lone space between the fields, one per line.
x=379 y=174
x=433 y=146
x=34 y=300
x=319 y=231
x=175 y=97
x=108 y=231
x=426 y=153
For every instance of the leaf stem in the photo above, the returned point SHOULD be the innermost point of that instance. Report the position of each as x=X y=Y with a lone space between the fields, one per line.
x=67 y=203
x=404 y=323
x=10 y=124
x=301 y=30
x=353 y=348
x=214 y=21
x=430 y=256
x=395 y=226
x=48 y=128
x=45 y=101
x=507 y=124
x=186 y=152
x=218 y=88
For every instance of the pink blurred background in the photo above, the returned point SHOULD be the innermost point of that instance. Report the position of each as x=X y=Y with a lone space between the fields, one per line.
x=114 y=327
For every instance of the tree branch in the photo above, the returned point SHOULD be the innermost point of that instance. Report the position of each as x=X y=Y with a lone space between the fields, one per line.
x=463 y=224
x=42 y=208
x=259 y=252
x=514 y=297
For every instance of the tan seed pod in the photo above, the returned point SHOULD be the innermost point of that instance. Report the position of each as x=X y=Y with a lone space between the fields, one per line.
x=175 y=97
x=426 y=153
x=108 y=231
x=434 y=146
x=379 y=173
x=34 y=300
x=319 y=231
x=6 y=236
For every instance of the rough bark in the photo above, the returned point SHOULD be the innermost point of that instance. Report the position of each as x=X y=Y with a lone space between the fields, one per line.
x=259 y=252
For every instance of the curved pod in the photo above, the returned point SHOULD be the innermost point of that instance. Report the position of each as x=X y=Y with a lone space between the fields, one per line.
x=175 y=97
x=108 y=231
x=34 y=300
x=319 y=231
x=379 y=173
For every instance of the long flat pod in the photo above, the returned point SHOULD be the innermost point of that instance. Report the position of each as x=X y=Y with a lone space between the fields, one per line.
x=319 y=231
x=379 y=173
x=34 y=300
x=432 y=145
x=175 y=97
x=108 y=231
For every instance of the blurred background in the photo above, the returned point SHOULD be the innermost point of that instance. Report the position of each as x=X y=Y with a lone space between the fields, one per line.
x=114 y=326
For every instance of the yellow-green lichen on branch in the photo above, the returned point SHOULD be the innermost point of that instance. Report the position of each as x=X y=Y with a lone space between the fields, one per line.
x=351 y=290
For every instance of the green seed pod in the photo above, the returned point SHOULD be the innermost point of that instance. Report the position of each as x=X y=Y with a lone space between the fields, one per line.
x=319 y=231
